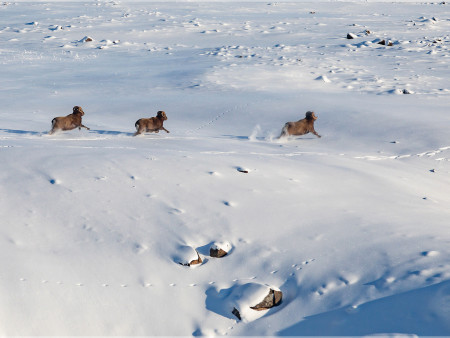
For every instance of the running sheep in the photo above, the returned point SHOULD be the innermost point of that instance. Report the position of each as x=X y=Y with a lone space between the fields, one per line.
x=152 y=124
x=69 y=122
x=301 y=127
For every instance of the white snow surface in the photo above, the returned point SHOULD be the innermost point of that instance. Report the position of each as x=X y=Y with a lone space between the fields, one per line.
x=184 y=255
x=352 y=227
x=225 y=246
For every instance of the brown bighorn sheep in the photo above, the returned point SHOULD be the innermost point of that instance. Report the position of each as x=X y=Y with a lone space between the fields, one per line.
x=69 y=122
x=301 y=127
x=152 y=124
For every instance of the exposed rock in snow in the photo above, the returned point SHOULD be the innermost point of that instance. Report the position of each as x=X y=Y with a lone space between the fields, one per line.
x=386 y=43
x=219 y=250
x=249 y=300
x=323 y=78
x=187 y=256
x=86 y=39
x=272 y=299
x=243 y=170
x=55 y=28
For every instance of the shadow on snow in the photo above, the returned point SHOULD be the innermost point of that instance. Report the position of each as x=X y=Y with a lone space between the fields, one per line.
x=39 y=133
x=424 y=311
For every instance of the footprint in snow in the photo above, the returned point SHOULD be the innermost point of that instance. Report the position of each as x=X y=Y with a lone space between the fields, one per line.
x=430 y=253
x=348 y=280
x=175 y=211
x=139 y=248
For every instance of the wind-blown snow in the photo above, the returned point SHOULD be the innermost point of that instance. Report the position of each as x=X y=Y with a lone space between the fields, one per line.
x=353 y=227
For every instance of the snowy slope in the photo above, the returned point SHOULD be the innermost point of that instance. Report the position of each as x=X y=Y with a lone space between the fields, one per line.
x=353 y=227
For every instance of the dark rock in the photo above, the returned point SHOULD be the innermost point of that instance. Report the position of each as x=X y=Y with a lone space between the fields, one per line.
x=236 y=313
x=386 y=43
x=186 y=255
x=219 y=249
x=218 y=253
x=272 y=299
x=194 y=262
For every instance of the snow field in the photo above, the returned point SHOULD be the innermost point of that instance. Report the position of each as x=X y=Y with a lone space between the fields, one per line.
x=350 y=227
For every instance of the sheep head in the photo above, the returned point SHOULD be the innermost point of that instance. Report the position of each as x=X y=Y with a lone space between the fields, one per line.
x=161 y=115
x=78 y=110
x=310 y=116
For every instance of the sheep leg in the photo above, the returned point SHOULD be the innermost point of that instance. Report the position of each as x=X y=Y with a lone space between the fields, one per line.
x=83 y=127
x=314 y=132
x=139 y=131
x=165 y=130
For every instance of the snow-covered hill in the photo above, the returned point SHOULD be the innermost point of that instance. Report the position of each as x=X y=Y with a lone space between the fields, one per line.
x=352 y=227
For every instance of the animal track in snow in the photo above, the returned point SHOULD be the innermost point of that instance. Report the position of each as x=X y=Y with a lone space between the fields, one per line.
x=139 y=248
x=175 y=211
x=428 y=154
x=148 y=285
x=335 y=284
x=349 y=279
x=430 y=253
